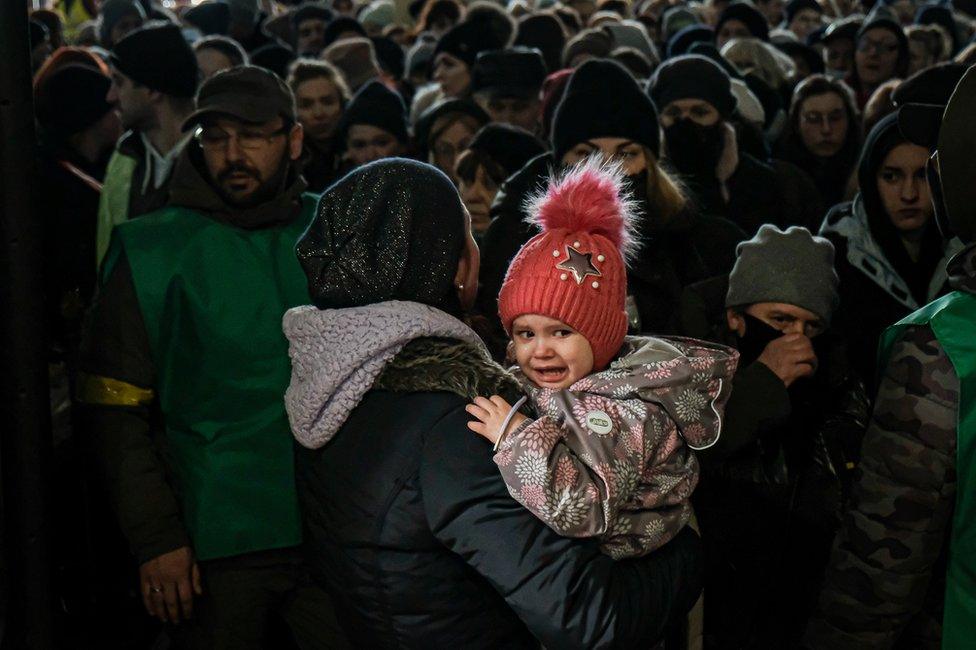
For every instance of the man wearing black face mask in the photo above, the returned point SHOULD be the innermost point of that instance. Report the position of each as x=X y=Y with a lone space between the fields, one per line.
x=772 y=487
x=184 y=344
x=695 y=100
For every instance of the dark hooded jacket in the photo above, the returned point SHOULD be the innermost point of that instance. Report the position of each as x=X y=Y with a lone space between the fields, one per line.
x=879 y=282
x=773 y=487
x=673 y=255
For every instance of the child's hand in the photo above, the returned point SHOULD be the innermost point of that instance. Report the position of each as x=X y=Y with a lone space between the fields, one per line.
x=491 y=414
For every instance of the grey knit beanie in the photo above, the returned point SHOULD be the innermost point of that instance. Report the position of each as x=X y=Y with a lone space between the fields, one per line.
x=791 y=267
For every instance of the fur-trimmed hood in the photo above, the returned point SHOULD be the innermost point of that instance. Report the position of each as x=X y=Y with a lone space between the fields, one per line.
x=339 y=354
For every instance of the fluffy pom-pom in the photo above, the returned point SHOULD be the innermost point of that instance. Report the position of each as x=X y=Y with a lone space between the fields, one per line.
x=590 y=197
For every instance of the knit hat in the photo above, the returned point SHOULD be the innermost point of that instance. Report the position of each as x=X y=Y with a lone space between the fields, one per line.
x=681 y=42
x=508 y=146
x=274 y=57
x=575 y=270
x=791 y=267
x=693 y=77
x=111 y=12
x=515 y=72
x=389 y=55
x=71 y=100
x=340 y=25
x=244 y=12
x=375 y=105
x=793 y=7
x=635 y=61
x=545 y=33
x=390 y=230
x=676 y=18
x=749 y=16
x=419 y=56
x=594 y=42
x=466 y=40
x=491 y=17
x=356 y=58
x=137 y=56
x=603 y=100
x=630 y=33
x=212 y=17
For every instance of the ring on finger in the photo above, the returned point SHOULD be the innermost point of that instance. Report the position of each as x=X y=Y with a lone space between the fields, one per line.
x=156 y=590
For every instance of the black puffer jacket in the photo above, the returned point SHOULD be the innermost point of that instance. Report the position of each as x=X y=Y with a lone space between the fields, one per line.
x=412 y=529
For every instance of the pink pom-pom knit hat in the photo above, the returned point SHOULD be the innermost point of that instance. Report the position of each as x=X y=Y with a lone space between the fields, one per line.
x=575 y=270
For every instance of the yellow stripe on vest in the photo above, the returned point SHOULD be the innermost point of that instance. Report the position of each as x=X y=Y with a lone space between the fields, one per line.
x=105 y=391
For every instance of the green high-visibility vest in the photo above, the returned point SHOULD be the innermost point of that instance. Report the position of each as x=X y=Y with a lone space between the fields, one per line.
x=953 y=321
x=212 y=298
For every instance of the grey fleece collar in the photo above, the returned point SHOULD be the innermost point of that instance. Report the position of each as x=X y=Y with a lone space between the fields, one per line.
x=337 y=354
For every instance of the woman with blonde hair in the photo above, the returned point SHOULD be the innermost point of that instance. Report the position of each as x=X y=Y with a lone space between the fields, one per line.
x=604 y=113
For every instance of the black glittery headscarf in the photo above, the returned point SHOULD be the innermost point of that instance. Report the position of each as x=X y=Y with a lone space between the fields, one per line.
x=390 y=230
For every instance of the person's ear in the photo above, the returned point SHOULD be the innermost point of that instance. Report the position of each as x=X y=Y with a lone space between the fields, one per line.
x=736 y=321
x=295 y=139
x=466 y=278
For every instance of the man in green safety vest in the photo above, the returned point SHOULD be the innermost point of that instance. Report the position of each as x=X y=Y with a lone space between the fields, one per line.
x=903 y=571
x=184 y=366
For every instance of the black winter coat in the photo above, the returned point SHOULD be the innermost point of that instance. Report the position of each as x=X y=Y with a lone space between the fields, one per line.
x=412 y=529
x=772 y=488
x=671 y=256
x=755 y=196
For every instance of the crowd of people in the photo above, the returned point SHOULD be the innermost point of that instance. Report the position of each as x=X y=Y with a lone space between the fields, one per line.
x=547 y=323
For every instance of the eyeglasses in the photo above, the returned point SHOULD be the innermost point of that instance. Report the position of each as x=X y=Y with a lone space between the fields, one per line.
x=868 y=45
x=213 y=138
x=816 y=119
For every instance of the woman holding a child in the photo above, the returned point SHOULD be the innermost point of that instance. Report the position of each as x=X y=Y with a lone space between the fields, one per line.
x=410 y=521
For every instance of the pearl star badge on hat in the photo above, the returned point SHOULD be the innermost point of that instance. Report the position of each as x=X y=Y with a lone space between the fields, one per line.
x=579 y=264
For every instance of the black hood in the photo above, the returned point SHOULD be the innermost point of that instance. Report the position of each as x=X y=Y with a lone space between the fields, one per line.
x=884 y=137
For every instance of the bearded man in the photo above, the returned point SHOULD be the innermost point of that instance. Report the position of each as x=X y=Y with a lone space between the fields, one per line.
x=184 y=367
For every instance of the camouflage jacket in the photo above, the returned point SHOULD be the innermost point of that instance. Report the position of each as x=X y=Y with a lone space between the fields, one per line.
x=885 y=584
